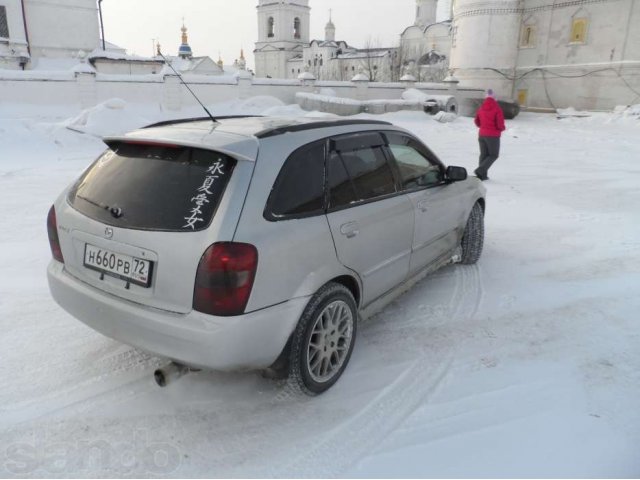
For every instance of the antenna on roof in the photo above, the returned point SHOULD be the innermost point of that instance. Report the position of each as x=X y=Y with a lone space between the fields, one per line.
x=185 y=84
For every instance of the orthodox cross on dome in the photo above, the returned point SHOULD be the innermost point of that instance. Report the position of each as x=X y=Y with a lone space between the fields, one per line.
x=330 y=24
x=330 y=29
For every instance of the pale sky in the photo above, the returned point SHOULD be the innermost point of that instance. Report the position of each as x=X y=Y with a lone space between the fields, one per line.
x=227 y=25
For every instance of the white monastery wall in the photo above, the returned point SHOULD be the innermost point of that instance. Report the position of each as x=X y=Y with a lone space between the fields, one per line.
x=87 y=90
x=552 y=70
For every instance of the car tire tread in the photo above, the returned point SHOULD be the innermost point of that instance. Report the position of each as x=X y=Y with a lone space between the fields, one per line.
x=299 y=380
x=473 y=237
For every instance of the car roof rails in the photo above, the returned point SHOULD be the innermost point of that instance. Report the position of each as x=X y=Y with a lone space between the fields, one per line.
x=178 y=121
x=300 y=127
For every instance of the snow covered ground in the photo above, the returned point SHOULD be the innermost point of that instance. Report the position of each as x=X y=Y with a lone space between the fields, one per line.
x=527 y=364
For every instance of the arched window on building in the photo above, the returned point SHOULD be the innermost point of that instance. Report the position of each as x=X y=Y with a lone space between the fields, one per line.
x=296 y=28
x=579 y=30
x=270 y=27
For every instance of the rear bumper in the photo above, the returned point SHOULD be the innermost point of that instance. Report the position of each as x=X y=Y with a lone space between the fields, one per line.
x=246 y=342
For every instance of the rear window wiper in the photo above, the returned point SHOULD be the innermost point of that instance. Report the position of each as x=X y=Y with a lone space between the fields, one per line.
x=116 y=212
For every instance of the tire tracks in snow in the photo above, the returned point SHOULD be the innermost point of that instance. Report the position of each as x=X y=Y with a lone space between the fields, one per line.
x=349 y=442
x=346 y=444
x=84 y=395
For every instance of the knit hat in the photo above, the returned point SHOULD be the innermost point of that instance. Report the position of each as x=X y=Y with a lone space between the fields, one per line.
x=491 y=93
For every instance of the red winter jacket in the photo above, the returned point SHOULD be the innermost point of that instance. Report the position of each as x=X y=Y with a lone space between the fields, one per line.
x=490 y=118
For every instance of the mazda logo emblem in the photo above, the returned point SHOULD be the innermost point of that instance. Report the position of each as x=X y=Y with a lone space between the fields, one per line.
x=108 y=232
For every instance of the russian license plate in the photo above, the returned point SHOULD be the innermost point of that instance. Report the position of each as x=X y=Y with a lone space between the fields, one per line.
x=130 y=269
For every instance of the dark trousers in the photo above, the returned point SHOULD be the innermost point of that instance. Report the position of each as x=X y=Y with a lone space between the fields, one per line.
x=489 y=153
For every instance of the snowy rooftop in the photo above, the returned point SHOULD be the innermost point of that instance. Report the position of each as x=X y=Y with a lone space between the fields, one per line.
x=331 y=43
x=364 y=54
x=118 y=55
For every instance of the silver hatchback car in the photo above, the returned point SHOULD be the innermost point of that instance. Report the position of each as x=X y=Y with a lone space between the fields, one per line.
x=254 y=242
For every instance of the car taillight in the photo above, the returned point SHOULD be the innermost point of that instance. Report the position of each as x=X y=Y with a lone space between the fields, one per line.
x=52 y=230
x=224 y=279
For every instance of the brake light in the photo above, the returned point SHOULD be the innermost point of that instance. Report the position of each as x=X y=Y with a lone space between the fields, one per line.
x=150 y=143
x=224 y=279
x=52 y=230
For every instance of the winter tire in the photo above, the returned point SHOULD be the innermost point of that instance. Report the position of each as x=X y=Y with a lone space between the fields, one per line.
x=473 y=237
x=323 y=340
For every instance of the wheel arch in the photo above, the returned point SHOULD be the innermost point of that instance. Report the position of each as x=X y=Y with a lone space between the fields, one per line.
x=483 y=204
x=276 y=370
x=350 y=284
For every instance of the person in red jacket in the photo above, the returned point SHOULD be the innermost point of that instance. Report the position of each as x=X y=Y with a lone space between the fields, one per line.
x=490 y=121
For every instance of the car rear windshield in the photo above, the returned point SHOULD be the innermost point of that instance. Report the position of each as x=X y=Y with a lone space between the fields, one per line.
x=153 y=187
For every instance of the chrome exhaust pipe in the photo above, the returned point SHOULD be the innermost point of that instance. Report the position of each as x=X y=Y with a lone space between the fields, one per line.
x=170 y=373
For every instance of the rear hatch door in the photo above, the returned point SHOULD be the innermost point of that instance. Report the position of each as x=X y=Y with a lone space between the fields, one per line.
x=139 y=219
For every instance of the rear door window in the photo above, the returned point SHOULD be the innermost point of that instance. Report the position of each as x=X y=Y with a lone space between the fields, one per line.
x=341 y=189
x=153 y=187
x=299 y=188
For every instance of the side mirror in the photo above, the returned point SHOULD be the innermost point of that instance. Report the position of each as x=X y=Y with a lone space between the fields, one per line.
x=456 y=174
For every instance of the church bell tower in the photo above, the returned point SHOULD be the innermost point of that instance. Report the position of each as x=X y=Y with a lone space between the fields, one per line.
x=426 y=12
x=283 y=31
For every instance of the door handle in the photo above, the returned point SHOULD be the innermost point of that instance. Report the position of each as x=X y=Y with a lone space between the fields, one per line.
x=350 y=229
x=423 y=205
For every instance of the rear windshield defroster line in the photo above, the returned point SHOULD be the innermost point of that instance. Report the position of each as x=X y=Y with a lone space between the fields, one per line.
x=153 y=187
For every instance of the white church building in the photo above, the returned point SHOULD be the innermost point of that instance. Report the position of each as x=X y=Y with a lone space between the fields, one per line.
x=540 y=53
x=550 y=53
x=425 y=46
x=31 y=30
x=284 y=48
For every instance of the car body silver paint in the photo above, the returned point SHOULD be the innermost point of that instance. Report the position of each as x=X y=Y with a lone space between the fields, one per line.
x=379 y=247
x=437 y=223
x=296 y=257
x=250 y=341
